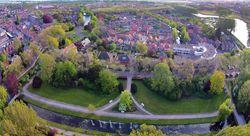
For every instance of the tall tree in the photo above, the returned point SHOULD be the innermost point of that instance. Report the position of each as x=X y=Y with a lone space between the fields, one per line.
x=125 y=101
x=217 y=82
x=12 y=83
x=17 y=43
x=3 y=94
x=162 y=81
x=64 y=74
x=16 y=66
x=235 y=131
x=244 y=95
x=108 y=81
x=47 y=65
x=146 y=130
x=174 y=34
x=226 y=24
x=20 y=120
x=142 y=48
x=225 y=109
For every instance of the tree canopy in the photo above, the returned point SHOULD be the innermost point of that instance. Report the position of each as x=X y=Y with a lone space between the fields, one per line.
x=147 y=130
x=47 y=64
x=108 y=81
x=225 y=109
x=217 y=82
x=125 y=101
x=20 y=120
x=235 y=131
x=162 y=81
x=63 y=74
x=142 y=48
x=244 y=95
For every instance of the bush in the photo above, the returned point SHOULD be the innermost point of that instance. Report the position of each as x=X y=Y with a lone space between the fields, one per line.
x=37 y=82
x=52 y=132
x=47 y=19
x=133 y=88
x=120 y=87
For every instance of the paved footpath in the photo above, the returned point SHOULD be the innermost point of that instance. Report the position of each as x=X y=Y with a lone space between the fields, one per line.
x=102 y=112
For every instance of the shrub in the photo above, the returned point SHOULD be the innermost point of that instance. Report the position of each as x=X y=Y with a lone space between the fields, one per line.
x=133 y=88
x=52 y=132
x=120 y=87
x=47 y=19
x=125 y=101
x=37 y=82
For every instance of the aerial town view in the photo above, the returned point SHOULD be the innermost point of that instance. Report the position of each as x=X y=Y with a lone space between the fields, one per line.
x=124 y=67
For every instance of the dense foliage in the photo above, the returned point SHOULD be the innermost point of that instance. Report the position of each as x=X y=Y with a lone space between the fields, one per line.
x=125 y=101
x=146 y=130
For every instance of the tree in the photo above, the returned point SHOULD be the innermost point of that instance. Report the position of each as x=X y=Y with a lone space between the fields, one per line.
x=27 y=57
x=184 y=35
x=174 y=34
x=142 y=48
x=208 y=31
x=107 y=81
x=47 y=18
x=185 y=69
x=112 y=46
x=71 y=53
x=18 y=20
x=20 y=120
x=63 y=74
x=16 y=66
x=91 y=107
x=47 y=65
x=162 y=81
x=217 y=82
x=120 y=87
x=133 y=88
x=226 y=24
x=80 y=18
x=225 y=110
x=12 y=83
x=223 y=12
x=235 y=131
x=125 y=101
x=146 y=130
x=3 y=95
x=17 y=43
x=52 y=42
x=244 y=95
x=37 y=82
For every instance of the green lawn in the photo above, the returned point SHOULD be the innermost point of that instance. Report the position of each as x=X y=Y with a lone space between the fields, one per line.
x=159 y=104
x=123 y=120
x=74 y=96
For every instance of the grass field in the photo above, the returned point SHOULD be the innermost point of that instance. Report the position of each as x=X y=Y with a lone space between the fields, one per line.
x=123 y=120
x=160 y=105
x=74 y=96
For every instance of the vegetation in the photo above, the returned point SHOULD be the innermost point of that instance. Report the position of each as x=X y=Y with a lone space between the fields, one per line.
x=217 y=82
x=125 y=101
x=244 y=95
x=20 y=120
x=142 y=48
x=145 y=130
x=76 y=96
x=225 y=110
x=63 y=74
x=157 y=103
x=92 y=116
x=108 y=81
x=235 y=131
x=162 y=81
x=47 y=64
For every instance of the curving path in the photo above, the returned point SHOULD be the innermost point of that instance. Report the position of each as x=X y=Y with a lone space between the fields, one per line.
x=101 y=111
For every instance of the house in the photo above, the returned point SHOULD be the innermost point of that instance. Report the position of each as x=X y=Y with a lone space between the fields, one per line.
x=123 y=59
x=104 y=56
x=5 y=42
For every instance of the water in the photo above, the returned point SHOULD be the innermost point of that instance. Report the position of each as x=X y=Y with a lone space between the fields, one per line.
x=114 y=127
x=240 y=31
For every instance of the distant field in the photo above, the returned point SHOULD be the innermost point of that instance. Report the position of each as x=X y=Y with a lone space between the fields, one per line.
x=160 y=105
